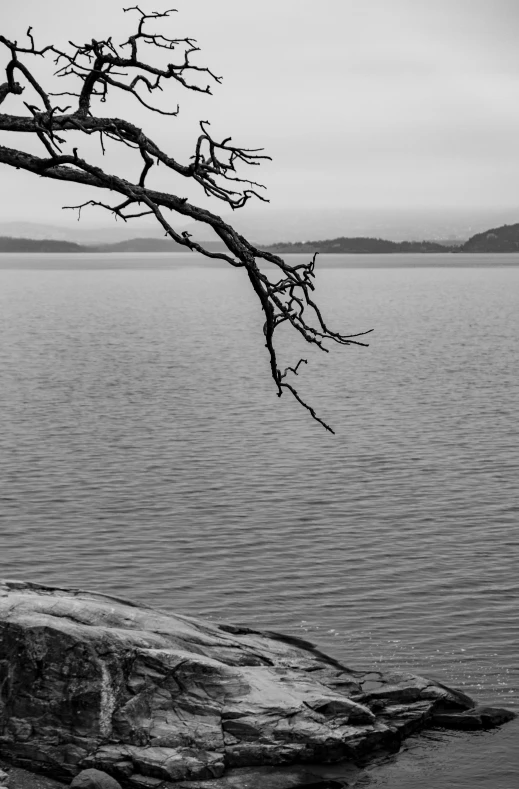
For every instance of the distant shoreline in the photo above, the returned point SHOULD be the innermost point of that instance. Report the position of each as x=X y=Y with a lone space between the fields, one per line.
x=500 y=240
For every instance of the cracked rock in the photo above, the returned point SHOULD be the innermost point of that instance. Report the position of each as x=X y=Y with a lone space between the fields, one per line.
x=477 y=718
x=153 y=699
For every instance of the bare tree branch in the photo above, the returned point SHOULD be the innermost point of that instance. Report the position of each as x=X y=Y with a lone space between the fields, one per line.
x=99 y=69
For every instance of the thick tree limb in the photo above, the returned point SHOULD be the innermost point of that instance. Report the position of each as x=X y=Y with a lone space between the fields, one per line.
x=99 y=68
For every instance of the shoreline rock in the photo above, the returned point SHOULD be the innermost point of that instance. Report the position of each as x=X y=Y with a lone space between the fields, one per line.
x=156 y=699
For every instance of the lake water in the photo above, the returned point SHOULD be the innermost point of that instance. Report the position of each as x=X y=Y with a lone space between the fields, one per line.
x=144 y=452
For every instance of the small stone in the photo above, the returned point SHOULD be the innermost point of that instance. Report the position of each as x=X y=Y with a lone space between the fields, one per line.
x=4 y=778
x=94 y=779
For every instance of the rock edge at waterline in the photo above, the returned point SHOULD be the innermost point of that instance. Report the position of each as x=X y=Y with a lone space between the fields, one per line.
x=153 y=698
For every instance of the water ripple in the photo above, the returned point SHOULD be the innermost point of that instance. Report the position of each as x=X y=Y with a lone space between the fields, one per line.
x=143 y=451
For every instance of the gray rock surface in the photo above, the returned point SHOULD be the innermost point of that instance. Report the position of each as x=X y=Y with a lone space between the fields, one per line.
x=153 y=698
x=476 y=718
x=94 y=779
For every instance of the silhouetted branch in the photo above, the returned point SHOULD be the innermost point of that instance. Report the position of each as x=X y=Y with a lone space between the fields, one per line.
x=99 y=69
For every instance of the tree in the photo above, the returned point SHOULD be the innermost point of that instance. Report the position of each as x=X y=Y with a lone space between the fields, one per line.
x=97 y=70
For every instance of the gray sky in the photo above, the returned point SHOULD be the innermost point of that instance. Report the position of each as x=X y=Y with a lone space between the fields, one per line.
x=361 y=103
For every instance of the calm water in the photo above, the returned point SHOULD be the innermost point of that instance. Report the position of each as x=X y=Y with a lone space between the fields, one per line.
x=143 y=451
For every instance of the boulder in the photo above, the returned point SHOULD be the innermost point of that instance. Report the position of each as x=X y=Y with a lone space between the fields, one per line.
x=154 y=698
x=94 y=779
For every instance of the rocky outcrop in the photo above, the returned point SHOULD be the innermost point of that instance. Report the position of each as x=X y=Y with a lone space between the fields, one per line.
x=152 y=698
x=473 y=719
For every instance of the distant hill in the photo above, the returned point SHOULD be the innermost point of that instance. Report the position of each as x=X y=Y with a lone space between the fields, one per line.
x=141 y=245
x=358 y=246
x=498 y=239
x=8 y=244
x=152 y=245
x=265 y=224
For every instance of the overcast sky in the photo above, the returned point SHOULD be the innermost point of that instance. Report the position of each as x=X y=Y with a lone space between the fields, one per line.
x=365 y=103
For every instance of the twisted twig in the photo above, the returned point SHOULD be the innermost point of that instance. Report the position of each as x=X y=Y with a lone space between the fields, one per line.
x=100 y=68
